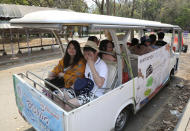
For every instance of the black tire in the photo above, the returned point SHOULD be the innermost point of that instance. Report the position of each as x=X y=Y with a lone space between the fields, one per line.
x=122 y=119
x=170 y=77
x=172 y=74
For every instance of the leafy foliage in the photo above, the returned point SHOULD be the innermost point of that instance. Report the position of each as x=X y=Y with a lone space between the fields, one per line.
x=183 y=19
x=76 y=5
x=167 y=11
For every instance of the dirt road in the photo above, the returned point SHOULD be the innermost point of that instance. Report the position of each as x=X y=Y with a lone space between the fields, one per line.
x=154 y=116
x=10 y=120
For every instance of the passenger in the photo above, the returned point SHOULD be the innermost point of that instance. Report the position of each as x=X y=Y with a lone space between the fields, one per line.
x=160 y=41
x=134 y=47
x=134 y=42
x=94 y=39
x=69 y=68
x=145 y=41
x=107 y=46
x=145 y=45
x=96 y=70
x=153 y=41
x=140 y=49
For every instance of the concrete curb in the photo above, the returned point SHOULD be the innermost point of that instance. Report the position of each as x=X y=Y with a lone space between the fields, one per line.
x=184 y=122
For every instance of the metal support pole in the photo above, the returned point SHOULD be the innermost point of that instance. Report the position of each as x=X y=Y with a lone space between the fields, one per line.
x=59 y=42
x=4 y=52
x=140 y=33
x=179 y=40
x=82 y=33
x=125 y=46
x=12 y=48
x=52 y=47
x=172 y=40
x=41 y=42
x=119 y=60
x=18 y=41
x=27 y=42
x=100 y=35
x=132 y=34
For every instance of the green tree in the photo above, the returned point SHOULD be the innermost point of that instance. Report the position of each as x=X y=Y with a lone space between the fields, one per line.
x=166 y=11
x=176 y=12
x=18 y=2
x=76 y=5
x=100 y=5
x=150 y=9
x=183 y=19
x=169 y=11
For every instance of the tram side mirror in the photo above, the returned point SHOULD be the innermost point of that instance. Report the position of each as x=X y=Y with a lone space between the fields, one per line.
x=184 y=48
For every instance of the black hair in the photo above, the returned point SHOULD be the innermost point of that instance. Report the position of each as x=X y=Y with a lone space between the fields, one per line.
x=134 y=42
x=93 y=38
x=143 y=39
x=152 y=38
x=77 y=57
x=161 y=35
x=104 y=43
x=103 y=46
x=89 y=49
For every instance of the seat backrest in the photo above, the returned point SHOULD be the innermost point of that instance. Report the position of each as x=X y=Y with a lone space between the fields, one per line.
x=112 y=73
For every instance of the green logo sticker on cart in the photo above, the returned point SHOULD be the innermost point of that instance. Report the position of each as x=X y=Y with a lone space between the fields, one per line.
x=147 y=92
x=149 y=82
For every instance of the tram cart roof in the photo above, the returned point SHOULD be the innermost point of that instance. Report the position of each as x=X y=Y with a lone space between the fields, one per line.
x=58 y=18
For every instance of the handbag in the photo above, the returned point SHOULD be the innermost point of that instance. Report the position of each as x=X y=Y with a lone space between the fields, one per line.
x=83 y=86
x=58 y=82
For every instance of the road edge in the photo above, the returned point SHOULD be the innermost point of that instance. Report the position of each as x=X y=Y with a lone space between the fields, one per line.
x=184 y=121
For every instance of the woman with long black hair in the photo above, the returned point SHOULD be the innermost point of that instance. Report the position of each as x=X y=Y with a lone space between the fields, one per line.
x=107 y=46
x=70 y=67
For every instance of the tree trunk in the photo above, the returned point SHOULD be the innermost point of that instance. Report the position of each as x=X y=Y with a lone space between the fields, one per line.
x=108 y=7
x=114 y=8
x=133 y=8
x=102 y=7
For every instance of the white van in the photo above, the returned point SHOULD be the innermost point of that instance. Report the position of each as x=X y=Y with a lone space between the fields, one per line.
x=148 y=73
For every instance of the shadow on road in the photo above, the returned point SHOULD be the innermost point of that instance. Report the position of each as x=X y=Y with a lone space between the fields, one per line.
x=30 y=129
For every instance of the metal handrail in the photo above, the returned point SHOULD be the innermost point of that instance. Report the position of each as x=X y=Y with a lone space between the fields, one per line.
x=28 y=72
x=61 y=98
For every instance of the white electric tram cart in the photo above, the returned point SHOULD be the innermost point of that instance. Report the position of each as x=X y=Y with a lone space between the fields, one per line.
x=148 y=73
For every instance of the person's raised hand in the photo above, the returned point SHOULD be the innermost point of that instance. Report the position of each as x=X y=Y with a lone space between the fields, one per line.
x=61 y=75
x=51 y=75
x=90 y=58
